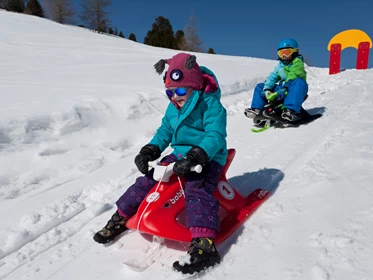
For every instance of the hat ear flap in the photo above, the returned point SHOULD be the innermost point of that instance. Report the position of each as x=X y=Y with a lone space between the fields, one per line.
x=190 y=62
x=160 y=65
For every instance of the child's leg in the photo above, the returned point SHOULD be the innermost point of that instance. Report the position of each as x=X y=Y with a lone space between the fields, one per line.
x=201 y=206
x=296 y=94
x=258 y=100
x=127 y=207
x=129 y=202
x=202 y=219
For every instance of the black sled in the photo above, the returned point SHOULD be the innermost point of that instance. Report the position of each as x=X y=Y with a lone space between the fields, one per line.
x=270 y=116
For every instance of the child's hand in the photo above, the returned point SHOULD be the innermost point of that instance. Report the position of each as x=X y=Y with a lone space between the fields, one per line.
x=281 y=93
x=195 y=156
x=271 y=96
x=147 y=153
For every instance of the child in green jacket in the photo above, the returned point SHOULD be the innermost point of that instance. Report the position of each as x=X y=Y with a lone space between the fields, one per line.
x=287 y=82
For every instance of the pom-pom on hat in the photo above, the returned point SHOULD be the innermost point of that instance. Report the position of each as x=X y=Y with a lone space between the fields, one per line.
x=183 y=71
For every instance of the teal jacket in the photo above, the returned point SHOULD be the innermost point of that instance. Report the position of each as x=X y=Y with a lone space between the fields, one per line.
x=201 y=122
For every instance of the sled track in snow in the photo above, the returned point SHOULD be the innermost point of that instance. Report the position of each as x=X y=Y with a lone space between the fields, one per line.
x=310 y=140
x=66 y=219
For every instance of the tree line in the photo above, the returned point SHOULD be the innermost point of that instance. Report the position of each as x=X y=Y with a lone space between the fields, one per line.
x=94 y=15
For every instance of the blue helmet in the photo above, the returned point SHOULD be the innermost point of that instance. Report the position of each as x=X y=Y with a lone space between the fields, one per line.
x=287 y=43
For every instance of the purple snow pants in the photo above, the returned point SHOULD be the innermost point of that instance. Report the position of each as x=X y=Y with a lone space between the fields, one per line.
x=201 y=206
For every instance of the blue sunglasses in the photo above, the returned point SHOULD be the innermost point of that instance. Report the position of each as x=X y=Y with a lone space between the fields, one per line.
x=179 y=91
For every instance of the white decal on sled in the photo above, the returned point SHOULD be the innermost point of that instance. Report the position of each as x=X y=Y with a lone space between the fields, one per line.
x=152 y=197
x=178 y=195
x=226 y=190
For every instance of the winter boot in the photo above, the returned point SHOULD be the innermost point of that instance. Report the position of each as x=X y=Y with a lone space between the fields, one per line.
x=251 y=113
x=115 y=226
x=202 y=254
x=289 y=115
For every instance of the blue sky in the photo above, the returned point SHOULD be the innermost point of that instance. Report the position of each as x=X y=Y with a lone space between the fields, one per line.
x=254 y=28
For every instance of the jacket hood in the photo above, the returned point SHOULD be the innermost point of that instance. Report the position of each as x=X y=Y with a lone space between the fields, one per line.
x=211 y=85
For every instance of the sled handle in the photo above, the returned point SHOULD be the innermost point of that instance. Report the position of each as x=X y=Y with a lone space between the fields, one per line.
x=154 y=164
x=197 y=168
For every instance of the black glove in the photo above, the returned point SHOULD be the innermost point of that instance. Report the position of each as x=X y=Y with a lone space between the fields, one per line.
x=195 y=156
x=147 y=153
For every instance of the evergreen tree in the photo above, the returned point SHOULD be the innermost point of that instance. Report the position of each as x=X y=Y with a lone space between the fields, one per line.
x=17 y=6
x=94 y=14
x=192 y=40
x=33 y=7
x=121 y=35
x=115 y=31
x=132 y=37
x=179 y=42
x=161 y=34
x=60 y=11
x=211 y=50
x=110 y=30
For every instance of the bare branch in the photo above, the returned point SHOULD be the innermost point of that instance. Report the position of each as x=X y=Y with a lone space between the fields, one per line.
x=192 y=41
x=94 y=14
x=60 y=10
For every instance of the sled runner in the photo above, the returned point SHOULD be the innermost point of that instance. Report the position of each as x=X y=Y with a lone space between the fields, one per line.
x=162 y=213
x=270 y=116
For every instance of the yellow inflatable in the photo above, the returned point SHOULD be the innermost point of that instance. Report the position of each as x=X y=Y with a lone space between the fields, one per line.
x=350 y=38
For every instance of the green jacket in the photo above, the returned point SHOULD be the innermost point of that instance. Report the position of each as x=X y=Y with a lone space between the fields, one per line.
x=285 y=73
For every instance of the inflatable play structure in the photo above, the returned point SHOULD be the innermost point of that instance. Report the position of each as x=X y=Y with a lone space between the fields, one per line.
x=349 y=38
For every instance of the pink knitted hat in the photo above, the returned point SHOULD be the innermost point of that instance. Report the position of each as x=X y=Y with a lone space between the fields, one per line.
x=183 y=71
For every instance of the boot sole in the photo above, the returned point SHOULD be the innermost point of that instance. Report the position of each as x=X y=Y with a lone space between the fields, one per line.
x=191 y=269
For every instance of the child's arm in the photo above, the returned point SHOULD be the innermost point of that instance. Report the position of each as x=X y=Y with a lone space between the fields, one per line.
x=215 y=123
x=272 y=79
x=163 y=136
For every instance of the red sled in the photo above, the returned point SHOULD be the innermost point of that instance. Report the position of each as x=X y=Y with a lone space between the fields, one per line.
x=162 y=213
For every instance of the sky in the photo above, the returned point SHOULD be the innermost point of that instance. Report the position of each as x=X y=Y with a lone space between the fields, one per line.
x=254 y=28
x=76 y=108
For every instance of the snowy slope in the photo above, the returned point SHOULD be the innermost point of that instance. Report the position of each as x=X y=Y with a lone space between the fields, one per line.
x=77 y=106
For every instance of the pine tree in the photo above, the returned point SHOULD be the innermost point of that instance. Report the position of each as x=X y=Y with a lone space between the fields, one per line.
x=132 y=37
x=121 y=35
x=161 y=34
x=192 y=40
x=17 y=6
x=110 y=31
x=34 y=8
x=211 y=50
x=94 y=14
x=179 y=43
x=60 y=11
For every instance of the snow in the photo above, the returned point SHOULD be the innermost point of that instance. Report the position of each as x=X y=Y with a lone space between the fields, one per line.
x=77 y=106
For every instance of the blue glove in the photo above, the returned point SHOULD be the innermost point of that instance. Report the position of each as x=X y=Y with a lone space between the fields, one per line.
x=281 y=93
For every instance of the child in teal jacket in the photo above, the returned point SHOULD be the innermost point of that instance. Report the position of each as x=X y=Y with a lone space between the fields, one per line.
x=194 y=125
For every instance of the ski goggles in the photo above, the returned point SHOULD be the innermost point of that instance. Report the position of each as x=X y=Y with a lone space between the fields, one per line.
x=286 y=52
x=179 y=91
